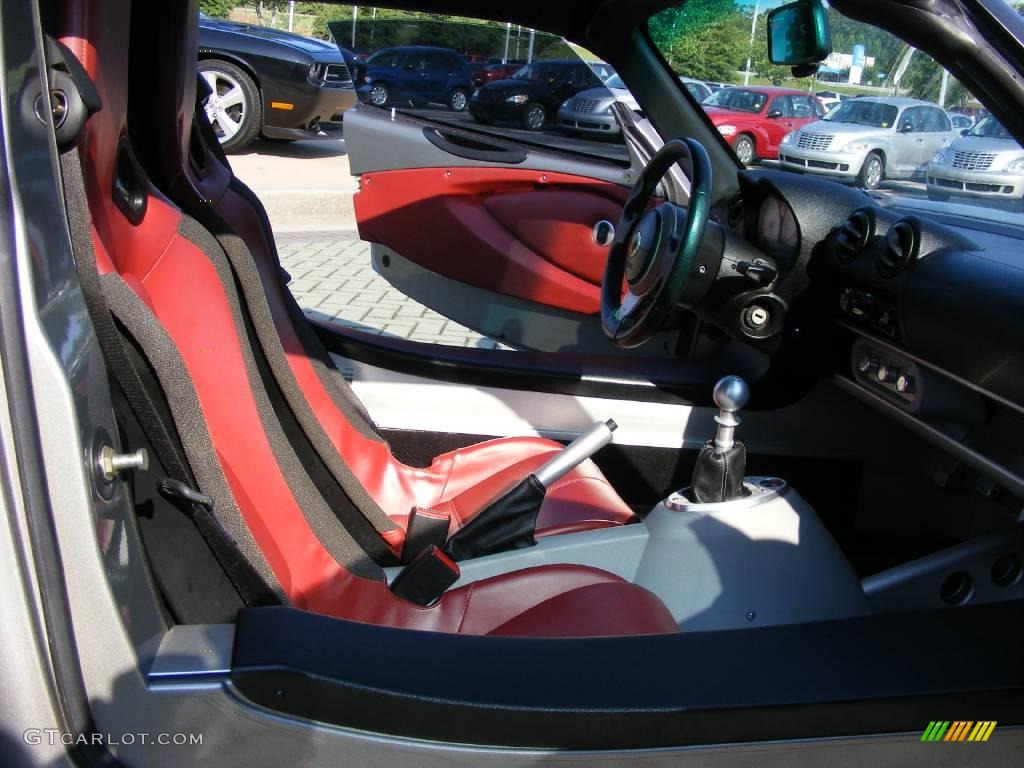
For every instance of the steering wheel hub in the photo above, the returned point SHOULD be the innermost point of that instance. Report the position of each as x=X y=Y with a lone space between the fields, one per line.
x=642 y=247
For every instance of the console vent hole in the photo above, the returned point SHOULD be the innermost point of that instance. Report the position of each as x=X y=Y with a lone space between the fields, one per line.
x=899 y=248
x=956 y=589
x=1006 y=570
x=854 y=235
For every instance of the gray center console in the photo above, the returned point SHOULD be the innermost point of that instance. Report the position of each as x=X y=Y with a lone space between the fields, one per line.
x=764 y=559
x=754 y=555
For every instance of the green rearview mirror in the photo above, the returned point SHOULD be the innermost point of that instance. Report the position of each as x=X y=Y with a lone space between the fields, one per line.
x=799 y=34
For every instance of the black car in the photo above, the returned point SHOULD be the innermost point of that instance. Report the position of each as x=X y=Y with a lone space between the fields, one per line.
x=532 y=95
x=417 y=75
x=270 y=83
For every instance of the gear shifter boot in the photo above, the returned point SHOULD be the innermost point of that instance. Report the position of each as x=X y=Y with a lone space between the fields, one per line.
x=718 y=475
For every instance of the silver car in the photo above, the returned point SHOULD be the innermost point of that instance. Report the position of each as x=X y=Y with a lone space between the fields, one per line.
x=590 y=111
x=869 y=139
x=985 y=162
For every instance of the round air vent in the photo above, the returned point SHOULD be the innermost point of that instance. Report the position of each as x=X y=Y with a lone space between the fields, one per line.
x=899 y=248
x=854 y=235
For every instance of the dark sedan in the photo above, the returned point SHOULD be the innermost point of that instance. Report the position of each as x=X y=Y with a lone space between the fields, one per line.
x=270 y=83
x=532 y=95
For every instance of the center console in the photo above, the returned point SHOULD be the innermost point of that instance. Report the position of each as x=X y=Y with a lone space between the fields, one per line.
x=726 y=552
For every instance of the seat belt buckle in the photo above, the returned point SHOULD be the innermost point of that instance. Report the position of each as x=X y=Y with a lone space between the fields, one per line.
x=427 y=577
x=425 y=528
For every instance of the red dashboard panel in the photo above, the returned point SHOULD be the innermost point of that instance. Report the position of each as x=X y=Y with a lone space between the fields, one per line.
x=521 y=233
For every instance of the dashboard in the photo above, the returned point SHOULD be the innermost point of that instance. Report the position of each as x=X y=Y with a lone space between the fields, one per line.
x=777 y=232
x=923 y=309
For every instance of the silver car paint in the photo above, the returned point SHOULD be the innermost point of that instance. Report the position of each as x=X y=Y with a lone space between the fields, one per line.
x=589 y=111
x=906 y=154
x=981 y=160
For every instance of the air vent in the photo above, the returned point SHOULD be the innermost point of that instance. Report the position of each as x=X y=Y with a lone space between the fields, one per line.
x=900 y=247
x=854 y=235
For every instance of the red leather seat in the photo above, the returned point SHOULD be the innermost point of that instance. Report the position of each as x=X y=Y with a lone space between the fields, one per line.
x=167 y=282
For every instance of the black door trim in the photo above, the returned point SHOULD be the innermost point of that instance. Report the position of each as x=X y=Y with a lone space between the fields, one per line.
x=628 y=378
x=866 y=675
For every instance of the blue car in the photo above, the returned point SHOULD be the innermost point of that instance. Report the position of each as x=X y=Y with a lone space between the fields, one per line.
x=416 y=75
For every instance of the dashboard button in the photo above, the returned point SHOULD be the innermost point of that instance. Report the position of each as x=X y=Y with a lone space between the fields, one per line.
x=905 y=384
x=887 y=374
x=868 y=365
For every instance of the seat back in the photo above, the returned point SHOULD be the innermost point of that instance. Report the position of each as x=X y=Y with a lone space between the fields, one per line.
x=169 y=284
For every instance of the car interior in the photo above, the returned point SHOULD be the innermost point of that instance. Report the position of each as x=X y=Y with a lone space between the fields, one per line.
x=763 y=481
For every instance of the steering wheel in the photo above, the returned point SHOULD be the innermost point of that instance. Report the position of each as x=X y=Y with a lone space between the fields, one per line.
x=657 y=251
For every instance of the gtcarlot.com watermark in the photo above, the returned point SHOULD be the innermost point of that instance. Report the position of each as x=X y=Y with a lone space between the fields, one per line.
x=52 y=736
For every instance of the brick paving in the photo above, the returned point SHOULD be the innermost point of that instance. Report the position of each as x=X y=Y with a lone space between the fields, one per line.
x=332 y=276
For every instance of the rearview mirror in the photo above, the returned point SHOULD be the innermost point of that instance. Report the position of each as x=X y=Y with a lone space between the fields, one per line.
x=798 y=34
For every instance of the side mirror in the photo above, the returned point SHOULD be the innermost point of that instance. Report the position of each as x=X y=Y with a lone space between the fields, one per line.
x=799 y=34
x=906 y=128
x=774 y=114
x=964 y=131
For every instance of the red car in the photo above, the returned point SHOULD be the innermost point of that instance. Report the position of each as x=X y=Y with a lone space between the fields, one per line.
x=754 y=119
x=492 y=72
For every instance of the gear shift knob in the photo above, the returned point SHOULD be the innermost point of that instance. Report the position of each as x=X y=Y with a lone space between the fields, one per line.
x=731 y=394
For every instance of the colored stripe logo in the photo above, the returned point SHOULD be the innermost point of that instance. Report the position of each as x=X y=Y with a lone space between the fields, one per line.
x=958 y=730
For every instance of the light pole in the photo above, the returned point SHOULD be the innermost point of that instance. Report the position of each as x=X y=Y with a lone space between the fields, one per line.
x=508 y=33
x=750 y=51
x=355 y=15
x=291 y=14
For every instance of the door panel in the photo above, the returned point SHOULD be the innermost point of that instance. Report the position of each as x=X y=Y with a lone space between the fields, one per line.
x=507 y=221
x=501 y=229
x=777 y=127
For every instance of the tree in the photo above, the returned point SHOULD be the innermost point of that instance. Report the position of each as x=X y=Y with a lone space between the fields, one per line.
x=217 y=8
x=760 y=63
x=273 y=6
x=705 y=39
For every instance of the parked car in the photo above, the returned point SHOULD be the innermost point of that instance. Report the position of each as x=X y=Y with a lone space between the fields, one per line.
x=829 y=99
x=590 y=111
x=270 y=83
x=960 y=122
x=533 y=95
x=985 y=162
x=975 y=113
x=416 y=75
x=754 y=120
x=697 y=88
x=870 y=139
x=491 y=72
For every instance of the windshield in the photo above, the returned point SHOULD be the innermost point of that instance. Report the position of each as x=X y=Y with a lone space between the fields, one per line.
x=990 y=128
x=545 y=73
x=860 y=112
x=872 y=82
x=738 y=99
